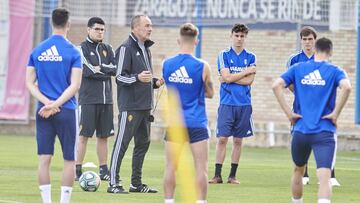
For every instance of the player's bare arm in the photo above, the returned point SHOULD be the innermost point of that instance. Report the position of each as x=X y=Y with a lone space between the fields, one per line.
x=247 y=80
x=209 y=87
x=345 y=89
x=34 y=90
x=230 y=78
x=278 y=88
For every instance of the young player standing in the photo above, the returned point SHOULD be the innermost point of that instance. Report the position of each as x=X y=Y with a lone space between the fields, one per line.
x=308 y=36
x=237 y=69
x=191 y=77
x=53 y=77
x=316 y=119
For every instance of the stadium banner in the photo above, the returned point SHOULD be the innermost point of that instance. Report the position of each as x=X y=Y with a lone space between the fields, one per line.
x=16 y=97
x=268 y=14
x=4 y=41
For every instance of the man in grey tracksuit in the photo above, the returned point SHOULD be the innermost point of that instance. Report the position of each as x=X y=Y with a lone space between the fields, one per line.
x=135 y=101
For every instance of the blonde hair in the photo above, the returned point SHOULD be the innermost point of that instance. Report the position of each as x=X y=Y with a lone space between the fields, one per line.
x=188 y=31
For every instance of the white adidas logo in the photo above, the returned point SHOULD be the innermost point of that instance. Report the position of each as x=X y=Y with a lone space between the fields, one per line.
x=313 y=78
x=50 y=55
x=180 y=76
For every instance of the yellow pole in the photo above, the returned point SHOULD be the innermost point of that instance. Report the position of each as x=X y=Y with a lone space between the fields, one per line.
x=177 y=134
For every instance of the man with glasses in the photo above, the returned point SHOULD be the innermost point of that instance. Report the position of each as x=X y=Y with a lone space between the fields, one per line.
x=308 y=36
x=95 y=97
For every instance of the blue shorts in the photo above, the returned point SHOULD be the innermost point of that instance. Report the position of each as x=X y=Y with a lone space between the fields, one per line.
x=234 y=121
x=64 y=125
x=195 y=134
x=323 y=144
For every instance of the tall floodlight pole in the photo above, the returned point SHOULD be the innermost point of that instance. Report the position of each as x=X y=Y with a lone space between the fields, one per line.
x=199 y=7
x=357 y=102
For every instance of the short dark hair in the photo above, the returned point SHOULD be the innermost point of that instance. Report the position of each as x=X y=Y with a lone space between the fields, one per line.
x=60 y=17
x=240 y=28
x=135 y=20
x=324 y=45
x=188 y=30
x=308 y=30
x=95 y=20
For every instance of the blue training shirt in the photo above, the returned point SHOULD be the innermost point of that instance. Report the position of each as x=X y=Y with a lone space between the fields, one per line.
x=234 y=94
x=297 y=58
x=53 y=60
x=184 y=73
x=315 y=86
x=294 y=59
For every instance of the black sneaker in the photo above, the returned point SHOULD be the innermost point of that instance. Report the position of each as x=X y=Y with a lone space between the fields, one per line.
x=142 y=188
x=118 y=189
x=105 y=176
x=77 y=177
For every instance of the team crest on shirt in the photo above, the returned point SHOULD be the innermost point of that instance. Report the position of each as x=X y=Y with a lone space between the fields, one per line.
x=231 y=61
x=245 y=61
x=80 y=127
x=130 y=117
x=104 y=53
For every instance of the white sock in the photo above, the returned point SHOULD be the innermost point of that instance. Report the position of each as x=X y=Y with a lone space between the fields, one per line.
x=324 y=201
x=296 y=200
x=200 y=201
x=45 y=191
x=65 y=194
x=169 y=200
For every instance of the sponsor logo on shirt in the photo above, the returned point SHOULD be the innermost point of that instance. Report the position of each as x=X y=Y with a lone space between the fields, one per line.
x=180 y=76
x=237 y=69
x=50 y=55
x=313 y=78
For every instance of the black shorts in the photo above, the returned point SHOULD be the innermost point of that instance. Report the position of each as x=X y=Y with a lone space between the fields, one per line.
x=96 y=117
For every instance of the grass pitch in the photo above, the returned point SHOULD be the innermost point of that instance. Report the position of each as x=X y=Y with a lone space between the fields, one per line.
x=264 y=175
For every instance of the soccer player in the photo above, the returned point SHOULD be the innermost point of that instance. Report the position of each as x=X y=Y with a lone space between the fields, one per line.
x=308 y=36
x=95 y=95
x=191 y=77
x=236 y=66
x=135 y=84
x=53 y=77
x=316 y=119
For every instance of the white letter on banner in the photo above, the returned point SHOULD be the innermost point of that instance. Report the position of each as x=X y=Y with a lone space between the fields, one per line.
x=194 y=9
x=264 y=13
x=161 y=8
x=171 y=9
x=317 y=10
x=307 y=9
x=223 y=8
x=182 y=12
x=294 y=9
x=137 y=7
x=243 y=13
x=233 y=8
x=252 y=9
x=282 y=10
x=271 y=9
x=211 y=9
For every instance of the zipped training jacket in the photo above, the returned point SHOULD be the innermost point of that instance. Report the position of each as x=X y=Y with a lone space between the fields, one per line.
x=132 y=94
x=96 y=87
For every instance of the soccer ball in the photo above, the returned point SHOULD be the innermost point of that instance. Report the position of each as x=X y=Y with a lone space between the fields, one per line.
x=89 y=181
